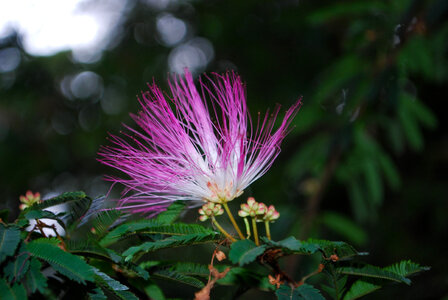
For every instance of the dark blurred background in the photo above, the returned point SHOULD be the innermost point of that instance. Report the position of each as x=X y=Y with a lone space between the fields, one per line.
x=366 y=162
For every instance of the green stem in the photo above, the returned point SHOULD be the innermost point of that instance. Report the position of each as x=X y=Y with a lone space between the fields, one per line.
x=246 y=222
x=222 y=230
x=268 y=230
x=254 y=226
x=232 y=219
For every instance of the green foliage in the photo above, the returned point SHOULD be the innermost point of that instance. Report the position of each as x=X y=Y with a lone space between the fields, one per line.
x=303 y=292
x=244 y=252
x=336 y=283
x=90 y=248
x=291 y=245
x=113 y=286
x=153 y=291
x=374 y=272
x=16 y=269
x=86 y=257
x=341 y=249
x=64 y=198
x=193 y=269
x=171 y=213
x=345 y=227
x=9 y=239
x=14 y=292
x=35 y=281
x=395 y=272
x=153 y=227
x=179 y=277
x=104 y=220
x=173 y=241
x=67 y=264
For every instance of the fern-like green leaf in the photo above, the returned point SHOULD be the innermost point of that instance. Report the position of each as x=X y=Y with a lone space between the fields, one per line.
x=65 y=263
x=243 y=277
x=97 y=294
x=9 y=239
x=192 y=269
x=88 y=247
x=343 y=250
x=152 y=226
x=406 y=268
x=361 y=288
x=373 y=272
x=336 y=282
x=78 y=204
x=303 y=292
x=15 y=292
x=34 y=278
x=173 y=241
x=105 y=280
x=366 y=286
x=119 y=290
x=61 y=199
x=44 y=214
x=94 y=209
x=17 y=268
x=171 y=213
x=292 y=245
x=179 y=277
x=104 y=220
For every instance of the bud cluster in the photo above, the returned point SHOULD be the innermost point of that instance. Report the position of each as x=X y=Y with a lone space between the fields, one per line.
x=271 y=214
x=29 y=200
x=252 y=208
x=210 y=210
x=258 y=210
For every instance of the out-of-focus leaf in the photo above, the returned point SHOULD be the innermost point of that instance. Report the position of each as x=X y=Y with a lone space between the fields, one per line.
x=345 y=227
x=4 y=214
x=346 y=9
x=153 y=291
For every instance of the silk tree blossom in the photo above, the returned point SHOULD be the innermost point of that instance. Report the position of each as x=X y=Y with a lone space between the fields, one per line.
x=195 y=145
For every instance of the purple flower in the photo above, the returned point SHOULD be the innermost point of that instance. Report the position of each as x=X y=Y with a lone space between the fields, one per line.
x=190 y=148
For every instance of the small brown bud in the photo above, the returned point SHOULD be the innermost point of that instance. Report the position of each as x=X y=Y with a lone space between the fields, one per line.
x=220 y=255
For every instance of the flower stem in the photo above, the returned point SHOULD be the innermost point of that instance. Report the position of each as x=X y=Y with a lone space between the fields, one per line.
x=254 y=226
x=232 y=219
x=246 y=222
x=222 y=230
x=268 y=230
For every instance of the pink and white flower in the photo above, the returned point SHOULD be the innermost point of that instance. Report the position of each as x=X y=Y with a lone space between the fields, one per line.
x=195 y=145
